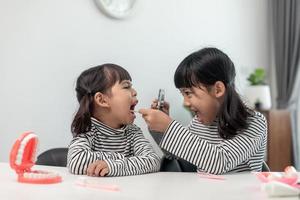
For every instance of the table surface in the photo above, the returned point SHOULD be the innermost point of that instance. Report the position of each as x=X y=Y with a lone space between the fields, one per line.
x=161 y=185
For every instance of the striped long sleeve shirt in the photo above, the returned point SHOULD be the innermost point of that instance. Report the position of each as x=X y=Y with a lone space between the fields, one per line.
x=126 y=151
x=202 y=146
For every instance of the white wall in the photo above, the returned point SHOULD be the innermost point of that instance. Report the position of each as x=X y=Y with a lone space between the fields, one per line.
x=44 y=45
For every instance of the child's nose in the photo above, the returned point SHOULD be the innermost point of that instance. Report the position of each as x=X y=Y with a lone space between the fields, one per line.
x=134 y=93
x=186 y=102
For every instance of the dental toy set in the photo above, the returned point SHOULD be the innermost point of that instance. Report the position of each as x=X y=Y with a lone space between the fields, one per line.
x=277 y=184
x=23 y=157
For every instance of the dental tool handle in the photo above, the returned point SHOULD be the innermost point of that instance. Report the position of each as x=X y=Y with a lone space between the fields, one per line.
x=161 y=99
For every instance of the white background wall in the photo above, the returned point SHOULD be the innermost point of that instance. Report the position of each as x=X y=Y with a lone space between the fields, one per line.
x=44 y=45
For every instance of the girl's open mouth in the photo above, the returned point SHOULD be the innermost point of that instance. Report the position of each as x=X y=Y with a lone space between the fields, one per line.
x=132 y=108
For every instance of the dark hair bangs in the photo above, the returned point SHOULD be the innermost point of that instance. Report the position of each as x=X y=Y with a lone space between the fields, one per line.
x=185 y=76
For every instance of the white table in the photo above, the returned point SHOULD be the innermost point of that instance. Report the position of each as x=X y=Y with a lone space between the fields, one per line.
x=162 y=185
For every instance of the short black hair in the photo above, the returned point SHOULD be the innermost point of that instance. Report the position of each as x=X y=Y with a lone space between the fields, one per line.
x=205 y=66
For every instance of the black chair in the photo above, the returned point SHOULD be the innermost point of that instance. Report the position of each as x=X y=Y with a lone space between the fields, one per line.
x=171 y=163
x=53 y=157
x=265 y=167
x=156 y=136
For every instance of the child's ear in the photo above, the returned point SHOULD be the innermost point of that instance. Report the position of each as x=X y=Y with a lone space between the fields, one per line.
x=101 y=100
x=220 y=89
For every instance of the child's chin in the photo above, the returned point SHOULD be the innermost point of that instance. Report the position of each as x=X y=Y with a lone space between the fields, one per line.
x=131 y=121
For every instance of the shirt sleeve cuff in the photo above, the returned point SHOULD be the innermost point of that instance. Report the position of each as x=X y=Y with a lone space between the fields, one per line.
x=111 y=169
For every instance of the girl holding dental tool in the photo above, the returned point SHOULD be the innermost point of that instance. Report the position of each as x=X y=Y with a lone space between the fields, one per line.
x=106 y=142
x=225 y=135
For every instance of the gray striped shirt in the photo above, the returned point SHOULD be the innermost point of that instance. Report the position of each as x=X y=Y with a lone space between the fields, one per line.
x=126 y=151
x=202 y=146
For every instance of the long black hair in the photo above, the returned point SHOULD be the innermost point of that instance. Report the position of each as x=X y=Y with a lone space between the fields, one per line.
x=96 y=79
x=206 y=67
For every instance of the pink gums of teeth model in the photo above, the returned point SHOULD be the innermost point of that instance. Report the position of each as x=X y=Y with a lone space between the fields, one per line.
x=289 y=176
x=22 y=158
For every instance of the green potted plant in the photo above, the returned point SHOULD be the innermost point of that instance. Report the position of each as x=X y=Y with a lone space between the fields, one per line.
x=258 y=92
x=257 y=77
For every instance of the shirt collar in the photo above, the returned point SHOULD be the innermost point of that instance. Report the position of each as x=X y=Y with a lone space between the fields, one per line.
x=103 y=128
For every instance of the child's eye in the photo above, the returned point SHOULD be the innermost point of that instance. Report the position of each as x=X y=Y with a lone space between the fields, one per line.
x=187 y=93
x=127 y=86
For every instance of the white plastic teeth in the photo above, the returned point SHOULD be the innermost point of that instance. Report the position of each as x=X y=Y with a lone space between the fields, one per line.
x=34 y=152
x=21 y=149
x=33 y=175
x=34 y=155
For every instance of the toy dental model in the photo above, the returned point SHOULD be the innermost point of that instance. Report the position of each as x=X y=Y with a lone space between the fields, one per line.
x=22 y=158
x=277 y=184
x=279 y=189
x=289 y=176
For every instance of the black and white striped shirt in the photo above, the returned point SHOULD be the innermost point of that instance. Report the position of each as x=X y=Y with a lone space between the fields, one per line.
x=126 y=151
x=202 y=146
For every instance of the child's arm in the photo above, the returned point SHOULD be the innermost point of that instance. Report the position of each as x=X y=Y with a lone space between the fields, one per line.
x=80 y=155
x=211 y=158
x=145 y=160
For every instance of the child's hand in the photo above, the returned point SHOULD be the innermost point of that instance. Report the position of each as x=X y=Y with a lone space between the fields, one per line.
x=97 y=168
x=165 y=108
x=156 y=119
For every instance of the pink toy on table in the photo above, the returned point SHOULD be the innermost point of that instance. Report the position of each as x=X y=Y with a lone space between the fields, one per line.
x=22 y=158
x=289 y=176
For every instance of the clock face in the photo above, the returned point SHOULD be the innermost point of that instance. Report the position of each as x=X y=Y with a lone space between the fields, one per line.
x=115 y=8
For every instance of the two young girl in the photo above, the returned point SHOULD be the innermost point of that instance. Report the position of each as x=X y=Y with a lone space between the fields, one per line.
x=106 y=142
x=224 y=136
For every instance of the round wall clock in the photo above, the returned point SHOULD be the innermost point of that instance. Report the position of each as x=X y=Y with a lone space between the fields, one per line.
x=117 y=9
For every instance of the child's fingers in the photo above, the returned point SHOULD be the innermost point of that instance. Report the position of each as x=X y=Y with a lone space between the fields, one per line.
x=90 y=169
x=166 y=104
x=104 y=172
x=154 y=104
x=101 y=165
x=144 y=111
x=98 y=169
x=154 y=100
x=145 y=114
